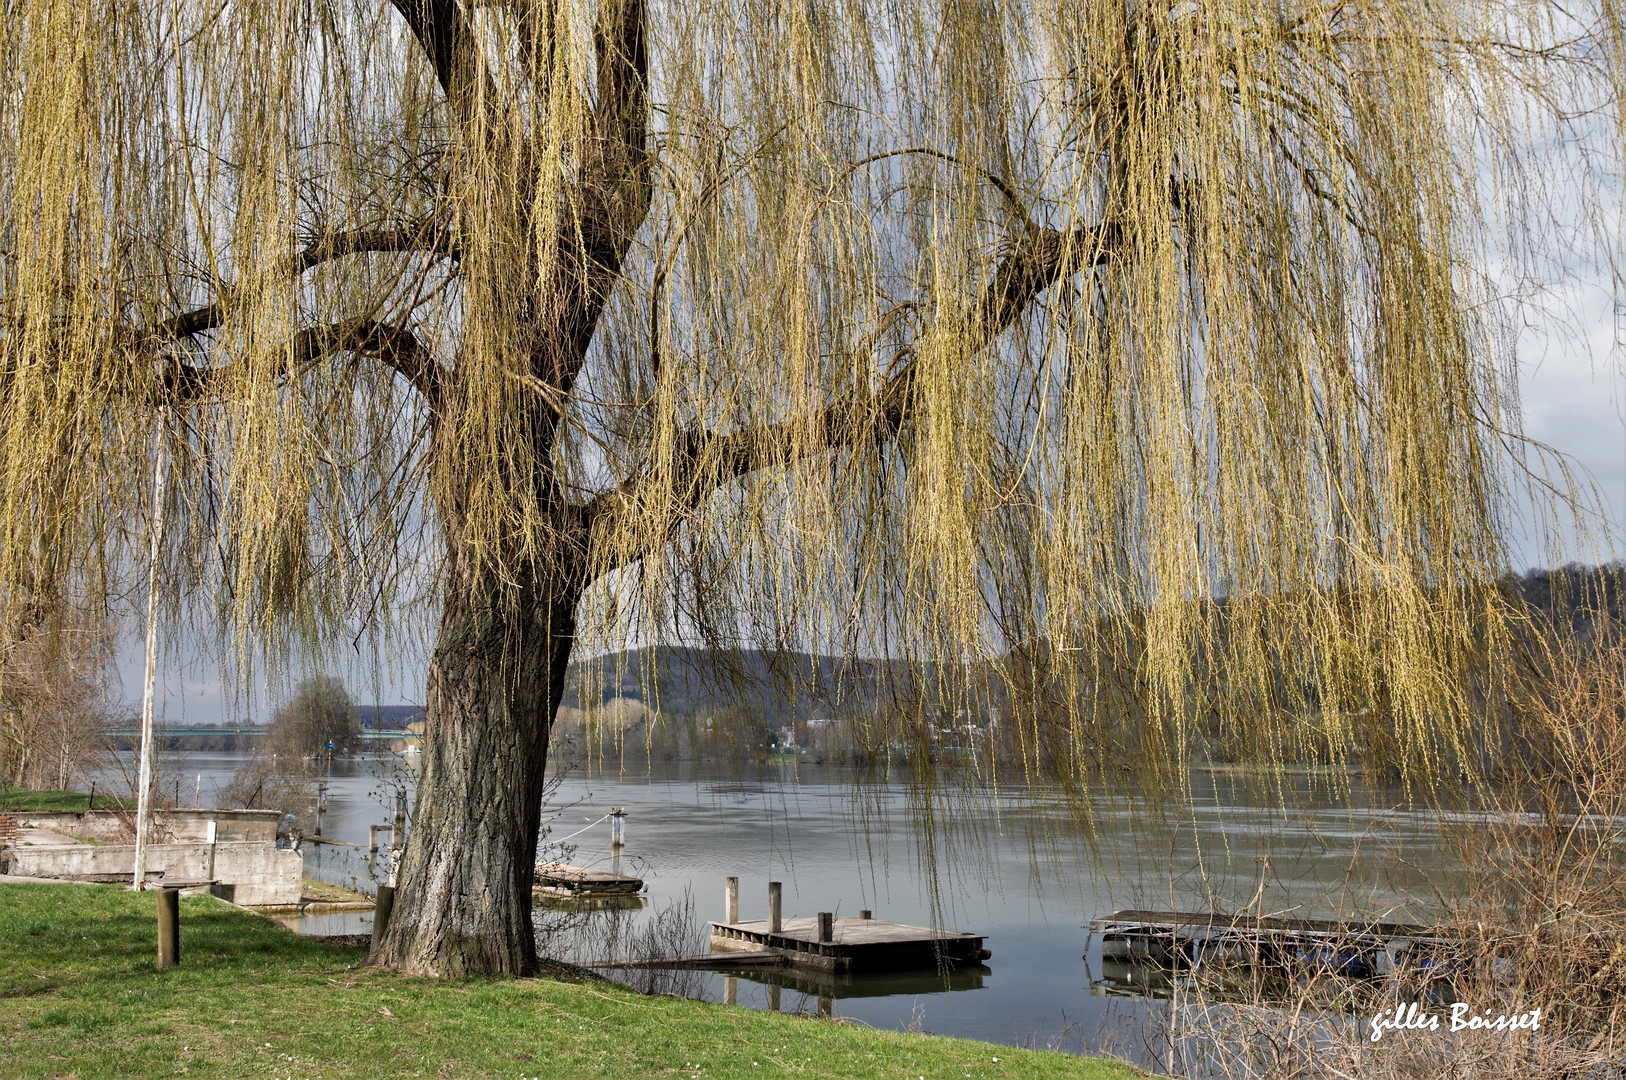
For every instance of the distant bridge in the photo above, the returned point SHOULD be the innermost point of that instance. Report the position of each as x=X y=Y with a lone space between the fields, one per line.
x=252 y=732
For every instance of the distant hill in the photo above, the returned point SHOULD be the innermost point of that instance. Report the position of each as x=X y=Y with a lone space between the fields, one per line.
x=679 y=680
x=388 y=717
x=797 y=687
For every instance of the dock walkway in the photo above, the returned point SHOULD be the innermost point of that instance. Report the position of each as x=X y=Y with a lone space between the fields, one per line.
x=855 y=945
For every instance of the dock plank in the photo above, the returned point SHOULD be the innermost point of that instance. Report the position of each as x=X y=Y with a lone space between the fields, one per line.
x=856 y=945
x=851 y=931
x=584 y=880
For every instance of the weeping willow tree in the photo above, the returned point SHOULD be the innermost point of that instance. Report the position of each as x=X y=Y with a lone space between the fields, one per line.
x=1144 y=353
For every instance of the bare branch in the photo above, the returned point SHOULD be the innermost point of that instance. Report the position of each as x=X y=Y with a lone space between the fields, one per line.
x=425 y=237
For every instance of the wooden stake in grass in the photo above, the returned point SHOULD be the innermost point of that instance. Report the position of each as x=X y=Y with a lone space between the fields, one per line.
x=383 y=906
x=169 y=927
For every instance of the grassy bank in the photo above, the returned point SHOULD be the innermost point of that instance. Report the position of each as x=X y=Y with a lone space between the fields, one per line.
x=24 y=799
x=80 y=997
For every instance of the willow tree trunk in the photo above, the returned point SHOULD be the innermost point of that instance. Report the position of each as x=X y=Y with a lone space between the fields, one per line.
x=463 y=902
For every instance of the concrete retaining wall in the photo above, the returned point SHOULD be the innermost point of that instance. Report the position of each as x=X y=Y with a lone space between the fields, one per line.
x=247 y=873
x=113 y=827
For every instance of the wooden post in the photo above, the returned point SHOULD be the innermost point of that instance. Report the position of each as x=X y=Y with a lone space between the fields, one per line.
x=773 y=997
x=381 y=911
x=731 y=990
x=372 y=839
x=826 y=1007
x=169 y=927
x=321 y=807
x=774 y=894
x=731 y=900
x=398 y=834
x=827 y=926
x=864 y=913
x=618 y=827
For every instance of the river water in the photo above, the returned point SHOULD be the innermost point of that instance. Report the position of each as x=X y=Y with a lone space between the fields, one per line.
x=1015 y=867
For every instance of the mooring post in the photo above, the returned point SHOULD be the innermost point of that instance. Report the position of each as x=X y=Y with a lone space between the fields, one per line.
x=398 y=833
x=865 y=913
x=827 y=926
x=731 y=900
x=731 y=990
x=826 y=1007
x=774 y=893
x=773 y=998
x=197 y=793
x=618 y=827
x=372 y=839
x=382 y=906
x=169 y=926
x=321 y=807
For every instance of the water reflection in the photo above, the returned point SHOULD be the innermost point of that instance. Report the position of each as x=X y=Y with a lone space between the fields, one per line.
x=335 y=924
x=1121 y=978
x=584 y=904
x=812 y=982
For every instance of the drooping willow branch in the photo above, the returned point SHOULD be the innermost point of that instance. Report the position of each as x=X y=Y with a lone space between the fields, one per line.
x=704 y=461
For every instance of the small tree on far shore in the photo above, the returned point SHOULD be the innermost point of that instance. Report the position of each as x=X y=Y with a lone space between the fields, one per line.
x=319 y=712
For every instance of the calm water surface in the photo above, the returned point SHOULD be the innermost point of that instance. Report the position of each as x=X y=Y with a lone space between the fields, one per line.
x=1013 y=866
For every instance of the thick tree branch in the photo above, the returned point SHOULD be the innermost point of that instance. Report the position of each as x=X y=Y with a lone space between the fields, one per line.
x=705 y=461
x=394 y=346
x=426 y=237
x=607 y=205
x=443 y=33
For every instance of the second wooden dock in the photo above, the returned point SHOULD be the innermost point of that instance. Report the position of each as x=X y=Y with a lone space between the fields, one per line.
x=560 y=879
x=1173 y=939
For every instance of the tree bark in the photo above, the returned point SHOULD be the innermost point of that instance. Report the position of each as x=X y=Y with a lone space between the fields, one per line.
x=463 y=905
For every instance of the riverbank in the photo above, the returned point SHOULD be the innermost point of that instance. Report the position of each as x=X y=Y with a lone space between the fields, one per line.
x=80 y=996
x=25 y=800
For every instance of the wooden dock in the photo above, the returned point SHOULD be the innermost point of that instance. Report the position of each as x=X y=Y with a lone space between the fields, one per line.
x=853 y=945
x=1170 y=939
x=563 y=880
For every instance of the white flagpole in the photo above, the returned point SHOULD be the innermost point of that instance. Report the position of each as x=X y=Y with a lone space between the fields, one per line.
x=160 y=481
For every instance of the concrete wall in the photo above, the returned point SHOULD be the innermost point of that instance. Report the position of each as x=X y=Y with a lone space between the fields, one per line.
x=252 y=873
x=113 y=827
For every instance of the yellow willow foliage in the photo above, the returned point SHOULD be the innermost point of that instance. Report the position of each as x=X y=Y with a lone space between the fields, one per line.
x=1139 y=365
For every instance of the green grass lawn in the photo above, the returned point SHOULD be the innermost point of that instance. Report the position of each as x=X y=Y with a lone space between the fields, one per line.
x=80 y=997
x=18 y=798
